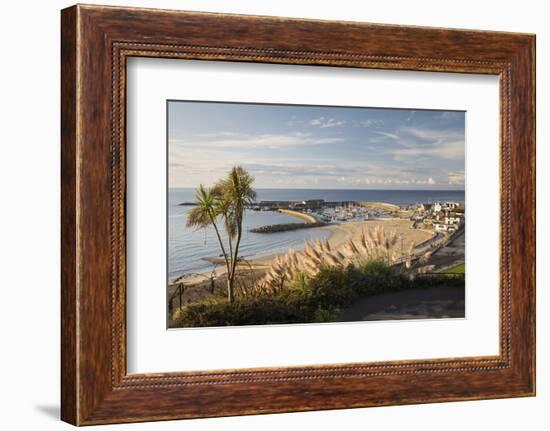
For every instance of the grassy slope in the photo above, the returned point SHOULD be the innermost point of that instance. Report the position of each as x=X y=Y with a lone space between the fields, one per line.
x=459 y=269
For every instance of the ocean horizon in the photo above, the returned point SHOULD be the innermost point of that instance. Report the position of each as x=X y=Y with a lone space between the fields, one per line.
x=187 y=247
x=397 y=197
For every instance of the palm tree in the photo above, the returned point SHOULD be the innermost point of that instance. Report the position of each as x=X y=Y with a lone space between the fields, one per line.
x=235 y=192
x=227 y=199
x=204 y=214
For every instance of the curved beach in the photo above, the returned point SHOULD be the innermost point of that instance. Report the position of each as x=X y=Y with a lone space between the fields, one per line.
x=339 y=234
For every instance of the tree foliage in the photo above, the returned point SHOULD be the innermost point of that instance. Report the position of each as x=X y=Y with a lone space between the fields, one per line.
x=224 y=204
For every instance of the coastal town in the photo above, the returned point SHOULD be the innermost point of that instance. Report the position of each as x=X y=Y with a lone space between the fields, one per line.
x=434 y=230
x=438 y=216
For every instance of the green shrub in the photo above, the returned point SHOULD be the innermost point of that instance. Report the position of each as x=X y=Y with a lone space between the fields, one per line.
x=330 y=288
x=247 y=311
x=317 y=299
x=326 y=314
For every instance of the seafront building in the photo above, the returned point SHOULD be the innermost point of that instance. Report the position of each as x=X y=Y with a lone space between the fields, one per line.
x=440 y=216
x=444 y=217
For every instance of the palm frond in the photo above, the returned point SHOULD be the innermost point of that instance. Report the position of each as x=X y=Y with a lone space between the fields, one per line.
x=201 y=215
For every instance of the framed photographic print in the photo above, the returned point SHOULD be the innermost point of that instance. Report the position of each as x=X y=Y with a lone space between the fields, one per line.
x=267 y=215
x=282 y=228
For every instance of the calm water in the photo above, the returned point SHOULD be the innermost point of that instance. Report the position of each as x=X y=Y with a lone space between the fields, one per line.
x=187 y=247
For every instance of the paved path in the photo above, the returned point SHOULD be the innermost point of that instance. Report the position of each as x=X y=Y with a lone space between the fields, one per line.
x=429 y=303
x=450 y=255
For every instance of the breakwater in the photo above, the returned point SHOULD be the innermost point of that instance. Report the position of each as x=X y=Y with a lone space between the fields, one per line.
x=306 y=217
x=282 y=227
x=309 y=220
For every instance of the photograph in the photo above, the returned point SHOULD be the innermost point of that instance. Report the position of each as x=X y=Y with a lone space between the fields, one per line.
x=289 y=214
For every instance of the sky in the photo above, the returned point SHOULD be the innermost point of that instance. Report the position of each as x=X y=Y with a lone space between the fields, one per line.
x=316 y=147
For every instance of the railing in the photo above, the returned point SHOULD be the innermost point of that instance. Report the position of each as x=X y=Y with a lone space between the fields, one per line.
x=178 y=293
x=436 y=245
x=181 y=287
x=444 y=274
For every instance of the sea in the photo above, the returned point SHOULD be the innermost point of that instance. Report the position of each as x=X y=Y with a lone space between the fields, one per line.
x=187 y=247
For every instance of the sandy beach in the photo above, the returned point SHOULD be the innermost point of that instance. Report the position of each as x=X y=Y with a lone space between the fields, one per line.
x=339 y=235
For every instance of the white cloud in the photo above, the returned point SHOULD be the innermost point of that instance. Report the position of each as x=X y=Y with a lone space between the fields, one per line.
x=370 y=122
x=271 y=141
x=442 y=144
x=456 y=177
x=429 y=181
x=389 y=135
x=300 y=172
x=427 y=156
x=453 y=150
x=433 y=134
x=218 y=134
x=324 y=123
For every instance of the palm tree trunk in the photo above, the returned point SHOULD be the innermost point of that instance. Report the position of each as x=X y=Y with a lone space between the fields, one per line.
x=230 y=297
x=227 y=266
x=231 y=275
x=229 y=269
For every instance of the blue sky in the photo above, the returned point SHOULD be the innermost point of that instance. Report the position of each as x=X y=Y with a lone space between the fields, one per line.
x=294 y=146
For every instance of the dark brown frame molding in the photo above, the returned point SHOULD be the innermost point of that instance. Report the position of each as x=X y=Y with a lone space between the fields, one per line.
x=95 y=43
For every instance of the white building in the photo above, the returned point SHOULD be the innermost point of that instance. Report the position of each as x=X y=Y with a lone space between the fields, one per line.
x=443 y=227
x=455 y=220
x=451 y=205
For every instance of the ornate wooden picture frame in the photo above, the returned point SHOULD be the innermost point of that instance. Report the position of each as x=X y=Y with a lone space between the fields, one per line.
x=96 y=41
